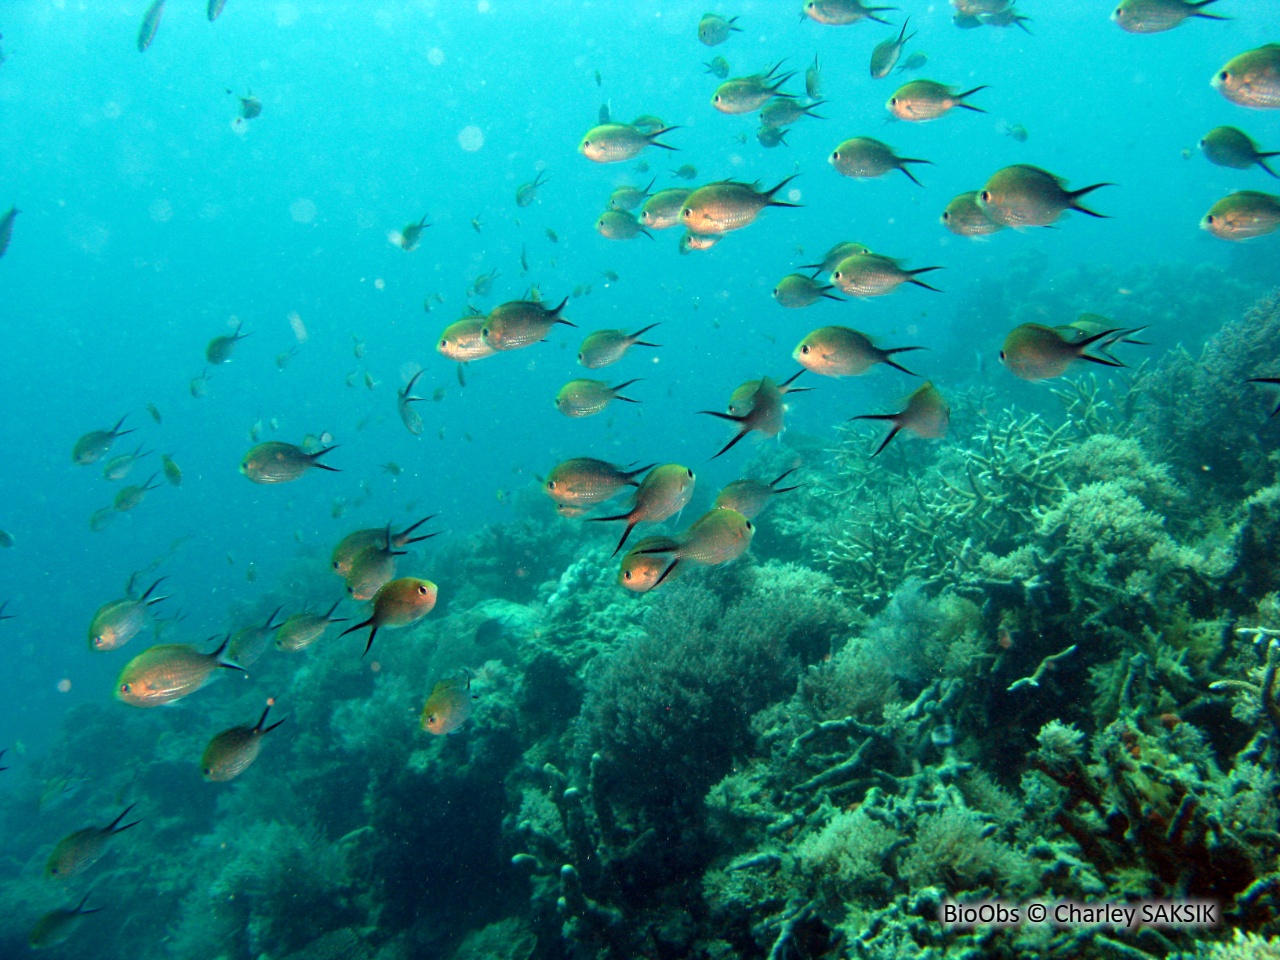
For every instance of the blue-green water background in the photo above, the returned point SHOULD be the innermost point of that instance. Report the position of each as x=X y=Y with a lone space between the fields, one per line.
x=149 y=219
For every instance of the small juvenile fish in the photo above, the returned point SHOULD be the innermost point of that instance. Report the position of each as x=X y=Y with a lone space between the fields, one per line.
x=1033 y=351
x=1156 y=16
x=663 y=493
x=750 y=497
x=231 y=752
x=698 y=241
x=219 y=349
x=169 y=672
x=58 y=925
x=964 y=217
x=1243 y=216
x=6 y=228
x=886 y=53
x=866 y=157
x=585 y=481
x=172 y=472
x=717 y=67
x=117 y=468
x=748 y=94
x=199 y=386
x=926 y=414
x=601 y=348
x=921 y=100
x=398 y=604
x=1232 y=147
x=617 y=142
x=521 y=323
x=77 y=852
x=728 y=205
x=128 y=498
x=303 y=629
x=714 y=29
x=1025 y=196
x=913 y=62
x=784 y=111
x=796 y=290
x=95 y=444
x=248 y=644
x=1252 y=79
x=527 y=193
x=685 y=172
x=844 y=352
x=619 y=225
x=116 y=623
x=585 y=398
x=150 y=24
x=1016 y=131
x=874 y=275
x=277 y=462
x=813 y=80
x=448 y=707
x=839 y=13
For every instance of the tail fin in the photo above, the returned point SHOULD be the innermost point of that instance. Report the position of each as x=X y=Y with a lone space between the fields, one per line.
x=1075 y=195
x=968 y=93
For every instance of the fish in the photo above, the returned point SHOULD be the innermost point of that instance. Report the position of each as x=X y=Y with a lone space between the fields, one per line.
x=663 y=493
x=130 y=497
x=219 y=349
x=172 y=472
x=214 y=10
x=231 y=752
x=527 y=193
x=784 y=111
x=866 y=157
x=717 y=67
x=831 y=259
x=913 y=62
x=844 y=352
x=6 y=539
x=409 y=237
x=483 y=284
x=150 y=24
x=6 y=228
x=601 y=348
x=926 y=414
x=1232 y=147
x=628 y=197
x=1273 y=381
x=371 y=568
x=398 y=604
x=5 y=616
x=728 y=205
x=404 y=406
x=248 y=644
x=585 y=481
x=1243 y=215
x=644 y=564
x=58 y=925
x=448 y=707
x=278 y=462
x=77 y=852
x=1156 y=16
x=714 y=29
x=886 y=53
x=250 y=107
x=751 y=497
x=1008 y=17
x=301 y=630
x=620 y=225
x=1252 y=79
x=169 y=672
x=585 y=398
x=1033 y=351
x=1016 y=131
x=1023 y=196
x=838 y=13
x=476 y=223
x=875 y=275
x=743 y=397
x=199 y=386
x=155 y=413
x=697 y=241
x=748 y=94
x=796 y=290
x=99 y=519
x=463 y=340
x=117 y=468
x=770 y=137
x=95 y=444
x=116 y=623
x=965 y=218
x=353 y=544
x=521 y=323
x=813 y=79
x=765 y=414
x=920 y=100
x=717 y=537
x=617 y=142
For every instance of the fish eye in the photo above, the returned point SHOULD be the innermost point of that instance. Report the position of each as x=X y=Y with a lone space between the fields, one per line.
x=946 y=214
x=335 y=564
x=805 y=349
x=893 y=101
x=551 y=484
x=626 y=575
x=1001 y=354
x=1209 y=219
x=835 y=155
x=985 y=195
x=686 y=213
x=484 y=331
x=586 y=143
x=351 y=590
x=422 y=589
x=716 y=98
x=125 y=688
x=1224 y=76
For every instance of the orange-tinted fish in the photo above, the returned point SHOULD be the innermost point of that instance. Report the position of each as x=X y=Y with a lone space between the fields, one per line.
x=219 y=349
x=279 y=462
x=398 y=604
x=1025 y=196
x=844 y=352
x=641 y=569
x=169 y=672
x=248 y=644
x=750 y=497
x=95 y=444
x=353 y=544
x=77 y=852
x=728 y=205
x=584 y=398
x=926 y=414
x=1252 y=79
x=718 y=536
x=118 y=622
x=765 y=414
x=230 y=752
x=698 y=241
x=1243 y=215
x=663 y=493
x=585 y=481
x=58 y=925
x=1033 y=351
x=303 y=629
x=448 y=707
x=520 y=323
x=919 y=100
